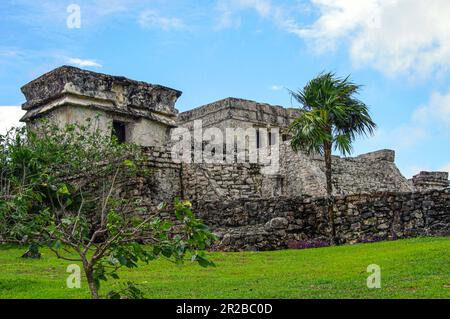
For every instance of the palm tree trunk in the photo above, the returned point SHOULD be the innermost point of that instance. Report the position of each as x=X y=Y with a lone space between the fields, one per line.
x=327 y=154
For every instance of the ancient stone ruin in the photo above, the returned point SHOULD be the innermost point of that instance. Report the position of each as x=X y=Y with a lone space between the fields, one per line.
x=246 y=205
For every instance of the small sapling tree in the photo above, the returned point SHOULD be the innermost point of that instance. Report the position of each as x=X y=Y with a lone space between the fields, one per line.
x=66 y=188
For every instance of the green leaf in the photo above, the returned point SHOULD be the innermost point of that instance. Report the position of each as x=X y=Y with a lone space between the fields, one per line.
x=167 y=252
x=114 y=275
x=129 y=163
x=66 y=221
x=202 y=261
x=63 y=190
x=113 y=295
x=57 y=244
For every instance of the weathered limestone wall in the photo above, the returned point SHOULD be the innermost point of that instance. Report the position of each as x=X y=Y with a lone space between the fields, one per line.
x=299 y=175
x=64 y=115
x=141 y=131
x=230 y=199
x=430 y=180
x=196 y=182
x=237 y=203
x=371 y=172
x=263 y=224
x=245 y=112
x=145 y=132
x=222 y=181
x=160 y=180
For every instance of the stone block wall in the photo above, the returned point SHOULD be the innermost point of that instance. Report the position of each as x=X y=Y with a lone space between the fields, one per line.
x=222 y=181
x=301 y=175
x=371 y=172
x=430 y=180
x=168 y=179
x=160 y=180
x=271 y=223
x=249 y=210
x=245 y=113
x=380 y=216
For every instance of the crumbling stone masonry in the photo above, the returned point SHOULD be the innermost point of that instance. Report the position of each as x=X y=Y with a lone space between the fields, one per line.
x=430 y=180
x=266 y=224
x=245 y=207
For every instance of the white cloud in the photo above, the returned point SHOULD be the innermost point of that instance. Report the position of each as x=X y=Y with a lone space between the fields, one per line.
x=431 y=119
x=226 y=19
x=50 y=11
x=84 y=63
x=152 y=19
x=427 y=122
x=276 y=87
x=10 y=53
x=280 y=15
x=404 y=137
x=110 y=7
x=407 y=136
x=9 y=117
x=392 y=36
x=437 y=111
x=229 y=8
x=446 y=168
x=262 y=7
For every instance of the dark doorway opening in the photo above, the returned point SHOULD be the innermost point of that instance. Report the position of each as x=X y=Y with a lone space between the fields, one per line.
x=119 y=131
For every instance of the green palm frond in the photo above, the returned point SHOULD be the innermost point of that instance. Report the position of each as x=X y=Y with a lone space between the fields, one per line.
x=331 y=113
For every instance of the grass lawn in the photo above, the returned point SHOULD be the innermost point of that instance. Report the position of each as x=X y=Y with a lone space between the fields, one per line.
x=414 y=268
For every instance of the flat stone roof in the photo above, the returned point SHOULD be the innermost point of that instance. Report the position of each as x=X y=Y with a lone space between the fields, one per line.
x=107 y=92
x=236 y=106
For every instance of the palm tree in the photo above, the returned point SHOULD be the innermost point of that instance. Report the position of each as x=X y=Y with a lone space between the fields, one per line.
x=332 y=117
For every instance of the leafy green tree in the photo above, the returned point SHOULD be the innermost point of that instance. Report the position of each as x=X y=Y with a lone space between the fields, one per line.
x=332 y=117
x=64 y=188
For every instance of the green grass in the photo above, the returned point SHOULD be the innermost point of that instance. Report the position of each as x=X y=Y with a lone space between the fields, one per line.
x=414 y=268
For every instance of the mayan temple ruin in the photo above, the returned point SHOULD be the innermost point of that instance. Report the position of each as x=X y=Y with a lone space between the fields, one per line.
x=246 y=206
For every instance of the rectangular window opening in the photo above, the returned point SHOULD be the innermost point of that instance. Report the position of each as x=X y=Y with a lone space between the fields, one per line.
x=272 y=138
x=258 y=139
x=119 y=131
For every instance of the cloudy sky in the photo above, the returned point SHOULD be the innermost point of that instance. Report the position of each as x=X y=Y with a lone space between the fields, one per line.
x=255 y=49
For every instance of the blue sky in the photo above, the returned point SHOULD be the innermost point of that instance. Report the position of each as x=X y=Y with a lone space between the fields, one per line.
x=255 y=49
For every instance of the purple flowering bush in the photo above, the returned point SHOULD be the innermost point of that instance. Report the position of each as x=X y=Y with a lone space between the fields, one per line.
x=305 y=244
